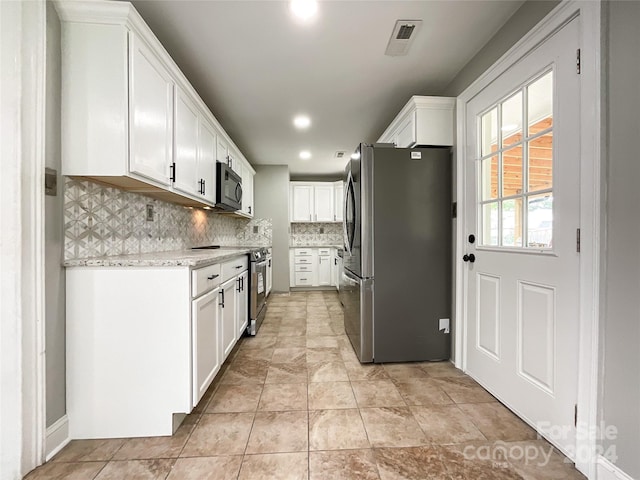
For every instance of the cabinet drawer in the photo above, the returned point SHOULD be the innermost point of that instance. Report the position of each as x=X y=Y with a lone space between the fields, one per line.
x=234 y=267
x=324 y=251
x=304 y=261
x=302 y=252
x=303 y=279
x=304 y=268
x=204 y=279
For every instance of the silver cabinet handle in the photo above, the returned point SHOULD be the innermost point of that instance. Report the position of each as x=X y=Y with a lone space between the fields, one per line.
x=211 y=277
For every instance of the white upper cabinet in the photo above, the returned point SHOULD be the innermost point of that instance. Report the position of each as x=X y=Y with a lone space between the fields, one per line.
x=234 y=161
x=424 y=121
x=338 y=201
x=323 y=203
x=185 y=168
x=301 y=202
x=130 y=118
x=151 y=113
x=222 y=150
x=315 y=202
x=206 y=171
x=247 y=189
x=195 y=150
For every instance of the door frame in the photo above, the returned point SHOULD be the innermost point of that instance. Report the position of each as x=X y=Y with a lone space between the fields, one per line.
x=591 y=211
x=22 y=330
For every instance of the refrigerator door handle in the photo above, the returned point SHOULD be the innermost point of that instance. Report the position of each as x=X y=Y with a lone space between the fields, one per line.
x=349 y=187
x=351 y=276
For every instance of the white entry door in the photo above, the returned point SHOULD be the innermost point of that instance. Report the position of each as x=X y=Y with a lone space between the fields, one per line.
x=522 y=206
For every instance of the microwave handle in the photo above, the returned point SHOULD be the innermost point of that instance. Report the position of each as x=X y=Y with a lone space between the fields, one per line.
x=239 y=197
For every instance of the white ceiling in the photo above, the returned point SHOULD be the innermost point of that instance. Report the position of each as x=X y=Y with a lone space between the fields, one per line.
x=256 y=67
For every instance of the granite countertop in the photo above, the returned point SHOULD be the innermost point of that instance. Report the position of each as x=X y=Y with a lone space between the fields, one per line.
x=174 y=258
x=316 y=246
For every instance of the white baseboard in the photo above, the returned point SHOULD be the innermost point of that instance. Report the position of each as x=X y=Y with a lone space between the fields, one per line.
x=608 y=471
x=57 y=437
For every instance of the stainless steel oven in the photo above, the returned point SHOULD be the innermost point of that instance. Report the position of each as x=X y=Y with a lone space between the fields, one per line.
x=257 y=289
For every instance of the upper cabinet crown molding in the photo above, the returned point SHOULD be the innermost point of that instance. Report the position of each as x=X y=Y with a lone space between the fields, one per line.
x=424 y=120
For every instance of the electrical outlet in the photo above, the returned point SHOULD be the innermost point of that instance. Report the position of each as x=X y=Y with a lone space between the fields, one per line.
x=149 y=212
x=256 y=229
x=321 y=229
x=444 y=325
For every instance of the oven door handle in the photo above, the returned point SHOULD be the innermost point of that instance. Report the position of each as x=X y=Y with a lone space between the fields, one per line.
x=261 y=264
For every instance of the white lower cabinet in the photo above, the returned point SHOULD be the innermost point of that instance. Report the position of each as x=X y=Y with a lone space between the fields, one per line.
x=145 y=343
x=228 y=320
x=325 y=278
x=312 y=267
x=242 y=303
x=205 y=352
x=336 y=270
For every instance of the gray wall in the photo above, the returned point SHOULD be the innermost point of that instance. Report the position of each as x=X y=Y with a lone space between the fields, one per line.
x=53 y=233
x=271 y=199
x=620 y=405
x=525 y=18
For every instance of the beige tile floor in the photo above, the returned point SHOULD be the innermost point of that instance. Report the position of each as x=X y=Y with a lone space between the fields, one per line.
x=295 y=403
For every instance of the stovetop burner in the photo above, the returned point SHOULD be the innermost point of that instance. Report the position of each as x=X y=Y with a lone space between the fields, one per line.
x=206 y=247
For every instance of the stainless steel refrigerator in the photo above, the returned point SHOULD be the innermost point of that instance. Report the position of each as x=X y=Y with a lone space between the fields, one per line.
x=396 y=280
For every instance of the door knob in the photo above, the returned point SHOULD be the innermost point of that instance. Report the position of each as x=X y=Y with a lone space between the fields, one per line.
x=469 y=258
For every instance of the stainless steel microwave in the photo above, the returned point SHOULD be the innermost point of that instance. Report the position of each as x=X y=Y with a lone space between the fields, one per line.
x=229 y=191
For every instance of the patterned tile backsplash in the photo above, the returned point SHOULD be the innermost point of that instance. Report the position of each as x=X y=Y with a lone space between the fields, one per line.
x=101 y=220
x=320 y=234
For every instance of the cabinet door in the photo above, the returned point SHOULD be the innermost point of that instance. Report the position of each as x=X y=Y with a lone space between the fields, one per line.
x=324 y=270
x=323 y=203
x=207 y=160
x=247 y=191
x=228 y=322
x=301 y=203
x=150 y=114
x=186 y=145
x=234 y=161
x=204 y=348
x=222 y=150
x=338 y=201
x=242 y=303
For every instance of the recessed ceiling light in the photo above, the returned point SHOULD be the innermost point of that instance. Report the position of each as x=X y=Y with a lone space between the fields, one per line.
x=304 y=9
x=302 y=121
x=305 y=155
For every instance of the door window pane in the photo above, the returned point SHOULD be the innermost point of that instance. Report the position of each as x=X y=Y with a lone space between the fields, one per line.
x=490 y=223
x=489 y=132
x=540 y=104
x=540 y=220
x=541 y=162
x=511 y=125
x=489 y=180
x=512 y=171
x=516 y=168
x=512 y=223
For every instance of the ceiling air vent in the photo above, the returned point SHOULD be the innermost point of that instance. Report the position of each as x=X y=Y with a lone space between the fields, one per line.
x=340 y=154
x=404 y=31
